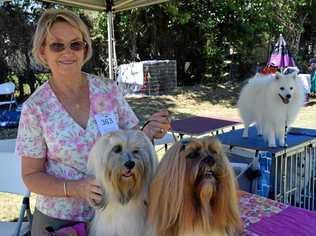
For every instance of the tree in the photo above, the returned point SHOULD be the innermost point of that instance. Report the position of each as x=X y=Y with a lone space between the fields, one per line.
x=17 y=27
x=210 y=40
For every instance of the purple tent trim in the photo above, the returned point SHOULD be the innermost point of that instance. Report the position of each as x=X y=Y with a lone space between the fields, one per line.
x=280 y=56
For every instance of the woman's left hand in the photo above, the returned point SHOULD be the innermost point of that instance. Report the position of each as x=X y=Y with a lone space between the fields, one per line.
x=87 y=189
x=158 y=124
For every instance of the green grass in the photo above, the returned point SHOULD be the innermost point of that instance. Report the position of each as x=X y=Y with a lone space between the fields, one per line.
x=183 y=102
x=10 y=206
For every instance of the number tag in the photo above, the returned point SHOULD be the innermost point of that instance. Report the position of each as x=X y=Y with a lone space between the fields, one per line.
x=106 y=123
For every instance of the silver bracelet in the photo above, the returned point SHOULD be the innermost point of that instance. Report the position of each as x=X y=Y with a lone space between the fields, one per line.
x=65 y=189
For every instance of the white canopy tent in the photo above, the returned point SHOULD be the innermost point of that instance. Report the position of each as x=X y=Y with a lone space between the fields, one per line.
x=110 y=6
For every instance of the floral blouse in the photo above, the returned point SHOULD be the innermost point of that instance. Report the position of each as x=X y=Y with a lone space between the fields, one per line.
x=47 y=130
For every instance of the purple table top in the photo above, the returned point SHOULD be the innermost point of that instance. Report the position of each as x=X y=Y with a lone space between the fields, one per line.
x=265 y=217
x=290 y=222
x=198 y=125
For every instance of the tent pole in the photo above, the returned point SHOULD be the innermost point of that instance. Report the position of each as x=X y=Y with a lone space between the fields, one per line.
x=109 y=4
x=110 y=43
x=114 y=48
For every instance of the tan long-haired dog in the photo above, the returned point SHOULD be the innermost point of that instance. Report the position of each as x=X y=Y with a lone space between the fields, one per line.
x=194 y=192
x=123 y=163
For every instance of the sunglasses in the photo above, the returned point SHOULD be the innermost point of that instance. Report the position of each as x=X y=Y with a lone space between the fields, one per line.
x=75 y=46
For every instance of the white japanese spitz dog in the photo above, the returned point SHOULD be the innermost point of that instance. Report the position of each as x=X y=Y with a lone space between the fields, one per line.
x=123 y=163
x=272 y=102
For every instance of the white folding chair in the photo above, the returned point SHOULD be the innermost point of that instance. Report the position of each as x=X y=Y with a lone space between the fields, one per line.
x=11 y=182
x=8 y=88
x=7 y=145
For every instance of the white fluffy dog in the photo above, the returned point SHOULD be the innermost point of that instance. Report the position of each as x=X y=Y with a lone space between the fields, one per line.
x=272 y=102
x=124 y=163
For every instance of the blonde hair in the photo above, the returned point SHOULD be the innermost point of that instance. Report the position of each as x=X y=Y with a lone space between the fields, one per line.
x=44 y=25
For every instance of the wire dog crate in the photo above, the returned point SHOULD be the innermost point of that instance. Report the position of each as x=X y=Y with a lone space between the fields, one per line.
x=294 y=176
x=154 y=77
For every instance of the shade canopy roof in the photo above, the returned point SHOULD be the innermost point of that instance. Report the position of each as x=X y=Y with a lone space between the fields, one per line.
x=101 y=5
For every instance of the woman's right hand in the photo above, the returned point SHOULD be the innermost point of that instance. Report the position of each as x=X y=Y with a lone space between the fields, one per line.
x=87 y=189
x=157 y=125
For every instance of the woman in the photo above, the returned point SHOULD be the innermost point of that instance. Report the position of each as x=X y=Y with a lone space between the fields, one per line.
x=312 y=70
x=62 y=120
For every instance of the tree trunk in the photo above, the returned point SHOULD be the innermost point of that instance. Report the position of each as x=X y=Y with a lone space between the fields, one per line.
x=133 y=35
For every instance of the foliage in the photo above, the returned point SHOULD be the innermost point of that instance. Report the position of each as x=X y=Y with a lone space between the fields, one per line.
x=17 y=27
x=213 y=37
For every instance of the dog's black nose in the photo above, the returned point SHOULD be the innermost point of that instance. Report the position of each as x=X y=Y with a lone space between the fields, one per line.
x=209 y=160
x=288 y=96
x=129 y=164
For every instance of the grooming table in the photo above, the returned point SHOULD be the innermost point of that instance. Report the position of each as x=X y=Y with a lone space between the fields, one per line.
x=200 y=125
x=293 y=168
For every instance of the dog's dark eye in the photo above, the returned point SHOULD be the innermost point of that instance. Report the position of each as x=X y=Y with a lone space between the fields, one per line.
x=193 y=155
x=282 y=88
x=136 y=151
x=291 y=88
x=117 y=148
